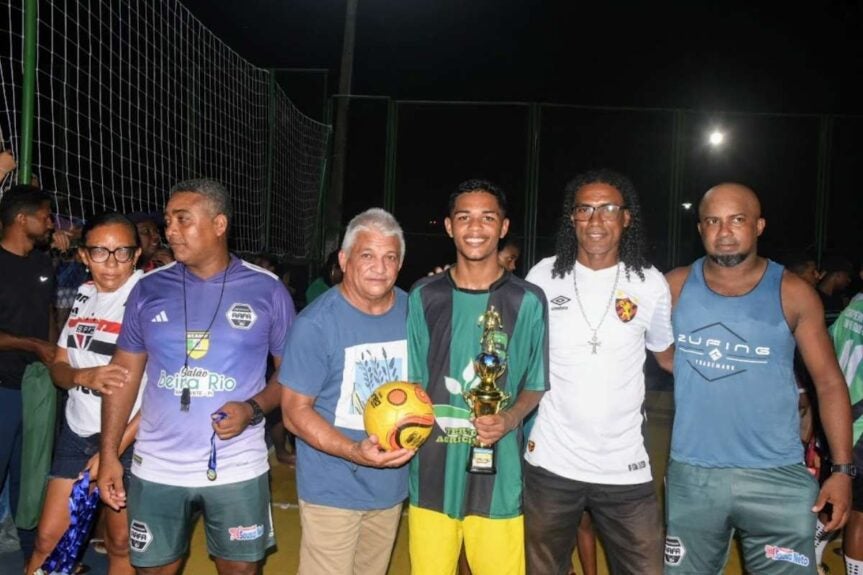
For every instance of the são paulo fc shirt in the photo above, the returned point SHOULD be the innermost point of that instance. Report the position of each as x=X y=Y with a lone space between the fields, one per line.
x=90 y=338
x=211 y=336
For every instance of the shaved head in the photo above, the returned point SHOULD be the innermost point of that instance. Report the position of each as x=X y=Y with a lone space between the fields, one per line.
x=730 y=192
x=729 y=221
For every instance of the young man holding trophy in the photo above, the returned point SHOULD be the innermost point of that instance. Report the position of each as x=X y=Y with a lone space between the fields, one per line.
x=586 y=450
x=477 y=341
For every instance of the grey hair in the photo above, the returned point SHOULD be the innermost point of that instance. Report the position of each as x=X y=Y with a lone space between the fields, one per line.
x=377 y=220
x=216 y=194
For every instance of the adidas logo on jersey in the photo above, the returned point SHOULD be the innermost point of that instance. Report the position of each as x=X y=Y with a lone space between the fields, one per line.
x=161 y=317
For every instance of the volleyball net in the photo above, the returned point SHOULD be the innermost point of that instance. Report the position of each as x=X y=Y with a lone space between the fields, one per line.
x=135 y=96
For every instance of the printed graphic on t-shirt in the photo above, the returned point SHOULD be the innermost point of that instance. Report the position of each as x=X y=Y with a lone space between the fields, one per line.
x=367 y=366
x=715 y=352
x=201 y=381
x=625 y=306
x=455 y=421
x=197 y=344
x=92 y=334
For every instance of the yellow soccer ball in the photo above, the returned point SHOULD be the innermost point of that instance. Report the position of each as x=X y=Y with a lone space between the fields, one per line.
x=400 y=414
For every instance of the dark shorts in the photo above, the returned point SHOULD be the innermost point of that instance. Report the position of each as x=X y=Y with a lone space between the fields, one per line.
x=771 y=509
x=237 y=520
x=627 y=517
x=72 y=452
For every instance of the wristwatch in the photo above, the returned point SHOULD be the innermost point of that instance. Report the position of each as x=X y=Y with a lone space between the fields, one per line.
x=257 y=412
x=846 y=468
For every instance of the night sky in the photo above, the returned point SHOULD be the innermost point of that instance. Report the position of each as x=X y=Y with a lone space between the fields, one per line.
x=752 y=67
x=742 y=56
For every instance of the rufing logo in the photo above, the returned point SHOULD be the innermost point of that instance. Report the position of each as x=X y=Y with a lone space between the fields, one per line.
x=715 y=352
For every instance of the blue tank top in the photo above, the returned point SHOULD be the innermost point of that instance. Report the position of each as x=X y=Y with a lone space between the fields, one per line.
x=734 y=387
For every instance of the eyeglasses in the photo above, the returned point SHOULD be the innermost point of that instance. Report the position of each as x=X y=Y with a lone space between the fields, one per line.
x=122 y=254
x=607 y=212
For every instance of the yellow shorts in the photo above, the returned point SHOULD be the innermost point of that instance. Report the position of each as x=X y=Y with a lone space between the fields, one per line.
x=492 y=546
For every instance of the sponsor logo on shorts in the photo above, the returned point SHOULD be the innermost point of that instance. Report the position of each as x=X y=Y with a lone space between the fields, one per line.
x=785 y=554
x=249 y=533
x=140 y=536
x=674 y=551
x=241 y=316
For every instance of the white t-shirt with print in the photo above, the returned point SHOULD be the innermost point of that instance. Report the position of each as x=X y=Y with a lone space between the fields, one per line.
x=90 y=338
x=589 y=424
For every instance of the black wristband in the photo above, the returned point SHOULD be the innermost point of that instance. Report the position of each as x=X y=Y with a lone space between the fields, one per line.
x=257 y=412
x=846 y=468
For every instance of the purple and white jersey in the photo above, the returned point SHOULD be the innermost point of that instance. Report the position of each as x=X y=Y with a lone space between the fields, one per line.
x=223 y=331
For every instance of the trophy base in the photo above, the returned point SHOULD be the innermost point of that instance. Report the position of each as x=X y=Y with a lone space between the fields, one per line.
x=481 y=460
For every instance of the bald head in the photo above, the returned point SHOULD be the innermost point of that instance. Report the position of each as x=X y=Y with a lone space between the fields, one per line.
x=729 y=221
x=736 y=194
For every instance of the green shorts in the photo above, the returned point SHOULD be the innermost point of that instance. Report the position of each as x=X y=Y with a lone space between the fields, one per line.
x=237 y=519
x=771 y=509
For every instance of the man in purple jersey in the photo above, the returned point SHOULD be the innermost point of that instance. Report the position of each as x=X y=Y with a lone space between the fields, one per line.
x=202 y=328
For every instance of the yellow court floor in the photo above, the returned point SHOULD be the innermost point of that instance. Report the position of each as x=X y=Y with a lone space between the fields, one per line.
x=284 y=560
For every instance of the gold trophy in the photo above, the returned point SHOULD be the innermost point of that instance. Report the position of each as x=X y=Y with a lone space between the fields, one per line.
x=486 y=398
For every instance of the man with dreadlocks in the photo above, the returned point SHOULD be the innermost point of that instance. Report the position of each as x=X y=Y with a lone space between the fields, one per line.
x=586 y=451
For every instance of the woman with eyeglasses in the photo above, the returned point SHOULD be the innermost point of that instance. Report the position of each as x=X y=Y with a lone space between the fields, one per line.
x=110 y=250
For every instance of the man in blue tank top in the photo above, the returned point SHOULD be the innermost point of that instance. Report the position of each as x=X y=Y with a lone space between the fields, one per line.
x=736 y=457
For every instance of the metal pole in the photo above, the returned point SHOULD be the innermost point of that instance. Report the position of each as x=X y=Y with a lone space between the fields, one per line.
x=320 y=224
x=531 y=194
x=675 y=194
x=28 y=93
x=392 y=150
x=333 y=218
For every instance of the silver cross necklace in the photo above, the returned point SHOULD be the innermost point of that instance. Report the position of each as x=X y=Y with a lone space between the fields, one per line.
x=594 y=341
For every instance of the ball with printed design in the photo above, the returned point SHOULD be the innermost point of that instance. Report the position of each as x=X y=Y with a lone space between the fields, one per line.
x=400 y=413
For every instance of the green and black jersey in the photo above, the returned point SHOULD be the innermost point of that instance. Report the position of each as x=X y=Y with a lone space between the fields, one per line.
x=444 y=333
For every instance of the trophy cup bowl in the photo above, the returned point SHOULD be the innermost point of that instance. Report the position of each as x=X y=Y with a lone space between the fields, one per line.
x=485 y=399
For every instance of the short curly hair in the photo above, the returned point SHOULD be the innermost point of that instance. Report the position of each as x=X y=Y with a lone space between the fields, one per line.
x=632 y=242
x=478 y=185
